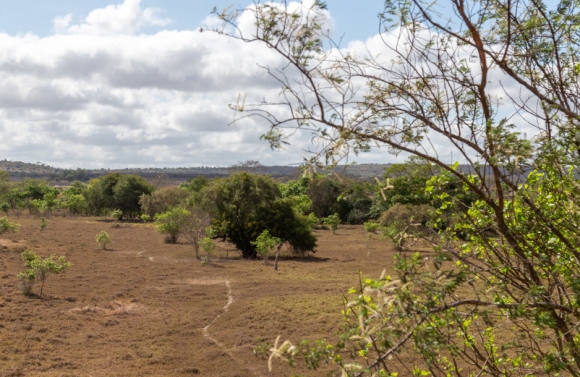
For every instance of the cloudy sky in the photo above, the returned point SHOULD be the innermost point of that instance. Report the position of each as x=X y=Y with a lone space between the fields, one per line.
x=117 y=83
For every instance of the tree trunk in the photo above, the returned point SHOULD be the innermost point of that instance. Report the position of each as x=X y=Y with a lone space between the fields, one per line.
x=277 y=255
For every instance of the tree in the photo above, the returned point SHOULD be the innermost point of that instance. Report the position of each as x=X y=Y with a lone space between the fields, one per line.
x=332 y=221
x=38 y=268
x=162 y=200
x=440 y=80
x=193 y=227
x=103 y=239
x=128 y=191
x=114 y=190
x=207 y=246
x=171 y=223
x=194 y=184
x=265 y=243
x=244 y=205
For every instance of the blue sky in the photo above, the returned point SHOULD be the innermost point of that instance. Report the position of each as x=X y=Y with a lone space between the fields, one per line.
x=355 y=22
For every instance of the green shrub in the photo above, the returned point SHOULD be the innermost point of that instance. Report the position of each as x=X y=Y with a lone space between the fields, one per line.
x=43 y=224
x=264 y=243
x=38 y=268
x=332 y=221
x=7 y=226
x=5 y=207
x=117 y=214
x=170 y=223
x=103 y=239
x=145 y=218
x=207 y=246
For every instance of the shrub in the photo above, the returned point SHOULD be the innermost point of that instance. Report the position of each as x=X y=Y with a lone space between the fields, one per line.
x=332 y=221
x=170 y=223
x=5 y=207
x=43 y=224
x=207 y=246
x=39 y=269
x=7 y=226
x=264 y=243
x=145 y=218
x=117 y=214
x=193 y=227
x=103 y=239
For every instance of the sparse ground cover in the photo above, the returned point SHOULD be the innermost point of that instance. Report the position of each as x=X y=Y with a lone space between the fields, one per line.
x=144 y=307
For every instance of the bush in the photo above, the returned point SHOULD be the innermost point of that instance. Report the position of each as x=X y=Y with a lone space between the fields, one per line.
x=145 y=218
x=170 y=223
x=332 y=221
x=207 y=246
x=43 y=224
x=193 y=227
x=103 y=239
x=7 y=226
x=264 y=243
x=5 y=207
x=117 y=214
x=39 y=269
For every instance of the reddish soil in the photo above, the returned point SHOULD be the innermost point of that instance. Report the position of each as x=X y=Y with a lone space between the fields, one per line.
x=146 y=308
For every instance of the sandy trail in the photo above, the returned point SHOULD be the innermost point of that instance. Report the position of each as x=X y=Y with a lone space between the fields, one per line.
x=205 y=329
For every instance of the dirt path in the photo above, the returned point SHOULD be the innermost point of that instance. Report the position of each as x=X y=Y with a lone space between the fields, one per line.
x=205 y=329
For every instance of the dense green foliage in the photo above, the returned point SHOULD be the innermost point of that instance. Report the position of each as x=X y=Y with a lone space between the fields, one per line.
x=117 y=191
x=244 y=205
x=171 y=222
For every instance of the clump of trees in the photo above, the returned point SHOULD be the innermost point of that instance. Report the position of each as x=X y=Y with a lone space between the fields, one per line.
x=117 y=191
x=244 y=205
x=508 y=257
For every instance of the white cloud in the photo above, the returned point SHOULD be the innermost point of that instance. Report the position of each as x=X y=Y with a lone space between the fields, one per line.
x=99 y=93
x=125 y=18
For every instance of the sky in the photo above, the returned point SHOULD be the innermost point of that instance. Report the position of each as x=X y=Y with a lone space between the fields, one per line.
x=133 y=83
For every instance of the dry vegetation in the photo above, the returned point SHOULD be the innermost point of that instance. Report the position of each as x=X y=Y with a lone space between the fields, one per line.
x=144 y=307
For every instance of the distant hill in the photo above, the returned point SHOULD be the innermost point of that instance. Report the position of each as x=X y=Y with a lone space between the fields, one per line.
x=22 y=170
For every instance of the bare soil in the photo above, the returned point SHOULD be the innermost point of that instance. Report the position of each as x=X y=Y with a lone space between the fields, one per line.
x=146 y=308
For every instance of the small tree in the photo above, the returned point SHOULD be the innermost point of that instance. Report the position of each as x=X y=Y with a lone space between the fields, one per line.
x=371 y=228
x=264 y=243
x=117 y=214
x=5 y=207
x=193 y=227
x=207 y=245
x=170 y=223
x=43 y=224
x=103 y=239
x=332 y=221
x=7 y=226
x=38 y=268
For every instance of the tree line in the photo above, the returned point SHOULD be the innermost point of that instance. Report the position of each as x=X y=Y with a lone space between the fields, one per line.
x=240 y=207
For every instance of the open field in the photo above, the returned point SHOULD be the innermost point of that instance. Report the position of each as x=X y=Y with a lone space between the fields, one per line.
x=144 y=307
